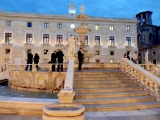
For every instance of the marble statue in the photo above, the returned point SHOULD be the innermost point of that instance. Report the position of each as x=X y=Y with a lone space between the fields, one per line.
x=82 y=9
x=146 y=56
x=72 y=46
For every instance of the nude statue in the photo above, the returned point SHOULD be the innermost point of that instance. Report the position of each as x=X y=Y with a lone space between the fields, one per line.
x=72 y=46
x=82 y=9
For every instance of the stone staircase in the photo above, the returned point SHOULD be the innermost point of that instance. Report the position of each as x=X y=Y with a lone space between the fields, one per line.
x=111 y=90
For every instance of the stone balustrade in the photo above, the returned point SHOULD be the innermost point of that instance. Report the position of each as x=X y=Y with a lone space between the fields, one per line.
x=146 y=78
x=46 y=81
x=152 y=68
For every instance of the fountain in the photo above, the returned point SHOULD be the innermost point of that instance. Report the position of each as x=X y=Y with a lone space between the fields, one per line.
x=82 y=31
x=66 y=109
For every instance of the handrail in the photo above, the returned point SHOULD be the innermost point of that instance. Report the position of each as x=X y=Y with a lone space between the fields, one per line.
x=146 y=78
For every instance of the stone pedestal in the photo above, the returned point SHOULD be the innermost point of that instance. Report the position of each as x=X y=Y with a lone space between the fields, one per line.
x=66 y=96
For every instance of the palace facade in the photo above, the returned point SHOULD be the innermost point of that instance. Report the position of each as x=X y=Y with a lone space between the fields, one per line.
x=148 y=38
x=20 y=32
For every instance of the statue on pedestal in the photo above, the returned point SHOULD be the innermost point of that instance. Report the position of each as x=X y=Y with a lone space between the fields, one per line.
x=82 y=9
x=72 y=46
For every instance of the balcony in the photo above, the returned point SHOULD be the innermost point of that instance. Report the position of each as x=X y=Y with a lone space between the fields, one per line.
x=59 y=44
x=97 y=46
x=28 y=43
x=45 y=44
x=7 y=43
x=112 y=46
x=129 y=46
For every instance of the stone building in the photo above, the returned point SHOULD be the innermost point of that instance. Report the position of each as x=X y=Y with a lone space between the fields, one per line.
x=148 y=38
x=20 y=32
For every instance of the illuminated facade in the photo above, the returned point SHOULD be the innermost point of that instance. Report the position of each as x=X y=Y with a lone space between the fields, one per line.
x=109 y=39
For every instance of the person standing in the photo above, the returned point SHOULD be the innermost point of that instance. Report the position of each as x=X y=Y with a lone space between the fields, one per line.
x=29 y=60
x=53 y=60
x=135 y=57
x=36 y=60
x=80 y=59
x=60 y=60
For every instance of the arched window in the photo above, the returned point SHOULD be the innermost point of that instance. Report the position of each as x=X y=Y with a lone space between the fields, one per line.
x=150 y=36
x=154 y=61
x=138 y=37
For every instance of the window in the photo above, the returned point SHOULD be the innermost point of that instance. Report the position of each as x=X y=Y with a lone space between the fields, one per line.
x=128 y=41
x=86 y=40
x=97 y=52
x=8 y=37
x=45 y=38
x=28 y=38
x=96 y=27
x=111 y=28
x=59 y=39
x=111 y=41
x=6 y=60
x=127 y=28
x=29 y=24
x=59 y=26
x=8 y=23
x=154 y=61
x=97 y=60
x=46 y=25
x=7 y=51
x=154 y=53
x=97 y=40
x=45 y=51
x=111 y=52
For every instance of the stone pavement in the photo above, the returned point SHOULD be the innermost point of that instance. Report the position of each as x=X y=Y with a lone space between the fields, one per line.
x=146 y=114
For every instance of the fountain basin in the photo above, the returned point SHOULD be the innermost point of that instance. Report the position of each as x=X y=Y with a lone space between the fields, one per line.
x=62 y=111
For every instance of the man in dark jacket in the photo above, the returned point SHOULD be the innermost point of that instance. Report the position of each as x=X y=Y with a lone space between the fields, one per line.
x=60 y=59
x=36 y=60
x=80 y=59
x=53 y=60
x=29 y=60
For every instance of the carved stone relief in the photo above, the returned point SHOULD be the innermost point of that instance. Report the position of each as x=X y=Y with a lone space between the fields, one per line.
x=26 y=81
x=41 y=83
x=58 y=82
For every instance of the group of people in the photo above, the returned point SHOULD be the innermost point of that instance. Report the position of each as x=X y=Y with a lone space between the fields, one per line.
x=30 y=60
x=57 y=55
x=134 y=58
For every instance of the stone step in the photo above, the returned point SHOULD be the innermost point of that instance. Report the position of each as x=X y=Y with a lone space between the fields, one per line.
x=101 y=78
x=100 y=73
x=122 y=89
x=111 y=94
x=121 y=106
x=115 y=100
x=102 y=81
x=105 y=85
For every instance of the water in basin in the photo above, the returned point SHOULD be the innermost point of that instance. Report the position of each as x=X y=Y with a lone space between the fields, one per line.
x=10 y=92
x=64 y=108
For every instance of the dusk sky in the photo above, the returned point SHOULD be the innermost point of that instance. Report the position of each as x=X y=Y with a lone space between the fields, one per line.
x=101 y=8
